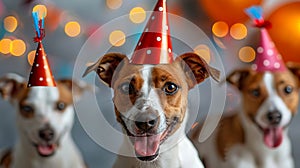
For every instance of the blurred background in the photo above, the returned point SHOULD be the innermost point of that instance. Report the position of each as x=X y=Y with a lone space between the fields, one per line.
x=69 y=23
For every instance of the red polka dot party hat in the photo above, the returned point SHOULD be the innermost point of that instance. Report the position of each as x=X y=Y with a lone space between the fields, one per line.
x=154 y=45
x=268 y=57
x=40 y=74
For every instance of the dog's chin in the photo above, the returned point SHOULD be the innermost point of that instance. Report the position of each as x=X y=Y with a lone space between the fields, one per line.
x=148 y=158
x=46 y=149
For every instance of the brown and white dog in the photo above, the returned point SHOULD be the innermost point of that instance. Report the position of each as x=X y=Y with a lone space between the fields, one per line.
x=257 y=135
x=44 y=120
x=151 y=104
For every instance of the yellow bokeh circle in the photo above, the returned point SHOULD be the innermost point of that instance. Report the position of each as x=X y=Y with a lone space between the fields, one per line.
x=247 y=54
x=18 y=47
x=41 y=9
x=114 y=4
x=72 y=29
x=137 y=15
x=204 y=52
x=220 y=29
x=238 y=31
x=10 y=23
x=117 y=38
x=5 y=46
x=31 y=56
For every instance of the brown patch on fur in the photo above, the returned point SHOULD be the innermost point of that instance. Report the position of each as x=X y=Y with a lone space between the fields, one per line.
x=282 y=80
x=6 y=160
x=127 y=74
x=230 y=133
x=252 y=103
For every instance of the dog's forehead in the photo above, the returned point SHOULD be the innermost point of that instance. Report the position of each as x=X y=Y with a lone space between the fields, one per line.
x=285 y=77
x=130 y=71
x=257 y=78
x=43 y=93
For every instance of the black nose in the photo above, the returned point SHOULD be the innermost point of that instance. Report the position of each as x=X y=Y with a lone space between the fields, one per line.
x=146 y=121
x=46 y=134
x=274 y=117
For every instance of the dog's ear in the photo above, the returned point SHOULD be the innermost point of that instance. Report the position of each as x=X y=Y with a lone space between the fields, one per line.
x=106 y=66
x=294 y=68
x=197 y=69
x=10 y=85
x=77 y=88
x=237 y=77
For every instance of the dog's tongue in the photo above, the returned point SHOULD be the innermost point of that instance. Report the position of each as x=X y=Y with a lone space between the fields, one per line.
x=273 y=137
x=147 y=146
x=46 y=149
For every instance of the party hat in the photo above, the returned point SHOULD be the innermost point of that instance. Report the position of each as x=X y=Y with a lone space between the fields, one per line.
x=268 y=57
x=155 y=46
x=40 y=74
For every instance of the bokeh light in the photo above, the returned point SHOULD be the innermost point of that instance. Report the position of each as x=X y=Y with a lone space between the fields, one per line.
x=117 y=38
x=17 y=47
x=72 y=29
x=238 y=31
x=31 y=56
x=247 y=54
x=137 y=15
x=220 y=29
x=41 y=9
x=5 y=46
x=204 y=52
x=10 y=23
x=114 y=4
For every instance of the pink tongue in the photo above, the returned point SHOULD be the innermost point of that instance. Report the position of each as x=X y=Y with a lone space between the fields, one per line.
x=46 y=150
x=147 y=146
x=273 y=137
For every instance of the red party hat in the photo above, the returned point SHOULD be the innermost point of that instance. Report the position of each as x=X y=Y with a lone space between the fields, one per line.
x=40 y=74
x=268 y=57
x=155 y=46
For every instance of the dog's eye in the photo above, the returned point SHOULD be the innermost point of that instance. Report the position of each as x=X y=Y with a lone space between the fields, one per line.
x=27 y=111
x=61 y=106
x=255 y=92
x=127 y=88
x=170 y=88
x=288 y=90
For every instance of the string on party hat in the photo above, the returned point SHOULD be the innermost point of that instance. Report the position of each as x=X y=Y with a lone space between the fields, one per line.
x=40 y=74
x=155 y=45
x=268 y=57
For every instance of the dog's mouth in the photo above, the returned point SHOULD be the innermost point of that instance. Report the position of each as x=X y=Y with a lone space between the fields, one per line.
x=46 y=149
x=272 y=135
x=147 y=145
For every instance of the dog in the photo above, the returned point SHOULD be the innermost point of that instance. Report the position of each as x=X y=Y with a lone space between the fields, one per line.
x=44 y=118
x=150 y=103
x=256 y=136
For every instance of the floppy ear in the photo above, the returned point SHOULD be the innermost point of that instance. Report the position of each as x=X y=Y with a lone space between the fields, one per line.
x=196 y=68
x=77 y=88
x=106 y=66
x=10 y=85
x=237 y=77
x=294 y=68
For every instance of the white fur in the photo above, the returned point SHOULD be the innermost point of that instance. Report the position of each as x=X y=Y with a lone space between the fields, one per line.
x=253 y=153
